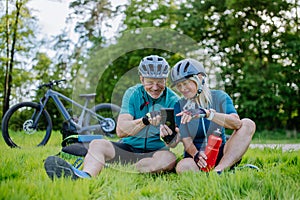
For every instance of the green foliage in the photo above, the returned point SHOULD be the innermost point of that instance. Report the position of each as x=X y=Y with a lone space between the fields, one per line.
x=153 y=13
x=16 y=38
x=90 y=16
x=22 y=176
x=108 y=67
x=256 y=45
x=259 y=63
x=122 y=74
x=251 y=49
x=245 y=36
x=29 y=66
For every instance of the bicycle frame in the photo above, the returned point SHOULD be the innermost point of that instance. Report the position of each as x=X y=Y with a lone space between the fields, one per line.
x=26 y=118
x=56 y=96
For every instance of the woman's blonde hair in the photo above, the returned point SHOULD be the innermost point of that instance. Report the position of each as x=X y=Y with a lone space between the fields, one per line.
x=204 y=99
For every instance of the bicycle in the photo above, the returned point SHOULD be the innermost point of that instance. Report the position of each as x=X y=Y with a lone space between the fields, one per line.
x=26 y=119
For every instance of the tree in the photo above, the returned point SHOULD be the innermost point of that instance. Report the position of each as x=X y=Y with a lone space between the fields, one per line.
x=26 y=63
x=16 y=39
x=252 y=47
x=253 y=42
x=90 y=24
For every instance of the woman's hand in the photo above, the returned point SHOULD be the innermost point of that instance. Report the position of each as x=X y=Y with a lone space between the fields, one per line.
x=200 y=159
x=188 y=115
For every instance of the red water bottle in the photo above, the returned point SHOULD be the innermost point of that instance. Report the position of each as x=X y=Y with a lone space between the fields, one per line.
x=212 y=149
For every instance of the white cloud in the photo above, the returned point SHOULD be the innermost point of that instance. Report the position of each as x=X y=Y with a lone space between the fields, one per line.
x=51 y=14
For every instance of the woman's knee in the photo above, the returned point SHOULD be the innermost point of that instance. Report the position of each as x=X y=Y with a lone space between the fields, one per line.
x=249 y=125
x=186 y=164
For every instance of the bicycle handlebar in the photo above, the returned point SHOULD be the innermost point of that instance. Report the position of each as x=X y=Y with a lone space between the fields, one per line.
x=51 y=83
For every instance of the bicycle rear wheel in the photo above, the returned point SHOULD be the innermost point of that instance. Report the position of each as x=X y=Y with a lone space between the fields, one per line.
x=17 y=126
x=110 y=112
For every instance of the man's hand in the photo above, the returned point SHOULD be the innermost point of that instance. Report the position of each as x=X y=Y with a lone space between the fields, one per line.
x=153 y=118
x=165 y=131
x=188 y=115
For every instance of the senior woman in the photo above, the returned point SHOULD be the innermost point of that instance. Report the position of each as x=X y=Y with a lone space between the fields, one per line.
x=200 y=112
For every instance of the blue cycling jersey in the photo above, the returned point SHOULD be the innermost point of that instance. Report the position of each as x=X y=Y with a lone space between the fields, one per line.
x=138 y=103
x=222 y=103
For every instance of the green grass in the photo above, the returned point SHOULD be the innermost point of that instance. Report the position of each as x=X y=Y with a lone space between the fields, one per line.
x=274 y=141
x=22 y=176
x=276 y=137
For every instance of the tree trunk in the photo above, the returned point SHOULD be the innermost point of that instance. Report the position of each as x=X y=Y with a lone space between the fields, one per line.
x=10 y=55
x=7 y=62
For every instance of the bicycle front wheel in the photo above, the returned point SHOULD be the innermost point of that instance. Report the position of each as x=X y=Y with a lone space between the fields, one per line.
x=19 y=130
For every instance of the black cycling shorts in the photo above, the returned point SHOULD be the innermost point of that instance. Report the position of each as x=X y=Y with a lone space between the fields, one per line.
x=125 y=153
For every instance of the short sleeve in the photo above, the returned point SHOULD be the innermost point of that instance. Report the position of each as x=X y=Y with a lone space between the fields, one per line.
x=227 y=105
x=127 y=103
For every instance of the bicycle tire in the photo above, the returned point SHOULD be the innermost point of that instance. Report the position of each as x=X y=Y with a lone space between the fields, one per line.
x=16 y=129
x=107 y=110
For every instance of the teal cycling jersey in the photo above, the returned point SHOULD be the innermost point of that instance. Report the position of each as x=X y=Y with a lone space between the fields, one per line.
x=138 y=103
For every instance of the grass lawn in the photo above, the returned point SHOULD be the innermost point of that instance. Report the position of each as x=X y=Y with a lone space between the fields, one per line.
x=22 y=176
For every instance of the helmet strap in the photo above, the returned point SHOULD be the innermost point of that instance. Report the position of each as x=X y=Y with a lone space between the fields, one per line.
x=199 y=84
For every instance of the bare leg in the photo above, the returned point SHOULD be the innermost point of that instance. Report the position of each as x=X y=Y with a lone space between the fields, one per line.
x=99 y=152
x=160 y=161
x=186 y=164
x=237 y=145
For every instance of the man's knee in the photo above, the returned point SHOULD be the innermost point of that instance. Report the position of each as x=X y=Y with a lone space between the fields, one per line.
x=166 y=159
x=102 y=146
x=99 y=143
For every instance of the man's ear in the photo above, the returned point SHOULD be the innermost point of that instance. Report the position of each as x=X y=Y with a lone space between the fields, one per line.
x=141 y=79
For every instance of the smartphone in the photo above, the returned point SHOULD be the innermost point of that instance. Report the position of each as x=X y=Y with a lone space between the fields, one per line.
x=168 y=118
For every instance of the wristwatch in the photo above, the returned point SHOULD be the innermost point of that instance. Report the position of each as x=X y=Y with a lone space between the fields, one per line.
x=211 y=114
x=145 y=119
x=196 y=157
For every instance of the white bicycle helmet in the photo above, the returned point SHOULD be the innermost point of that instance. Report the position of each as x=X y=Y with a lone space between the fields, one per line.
x=154 y=67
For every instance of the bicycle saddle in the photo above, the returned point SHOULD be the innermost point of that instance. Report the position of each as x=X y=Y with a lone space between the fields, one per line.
x=88 y=96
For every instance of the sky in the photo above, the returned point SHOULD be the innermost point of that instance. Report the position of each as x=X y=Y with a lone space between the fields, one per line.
x=52 y=15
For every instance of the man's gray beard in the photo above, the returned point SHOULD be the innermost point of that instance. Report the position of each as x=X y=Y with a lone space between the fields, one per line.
x=157 y=97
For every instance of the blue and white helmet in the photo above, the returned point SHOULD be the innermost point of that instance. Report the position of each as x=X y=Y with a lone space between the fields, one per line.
x=185 y=69
x=154 y=67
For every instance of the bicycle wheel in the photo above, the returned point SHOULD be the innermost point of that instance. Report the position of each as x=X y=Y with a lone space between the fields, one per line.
x=17 y=129
x=110 y=112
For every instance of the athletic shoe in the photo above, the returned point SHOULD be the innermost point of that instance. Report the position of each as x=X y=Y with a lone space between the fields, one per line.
x=57 y=167
x=219 y=172
x=250 y=166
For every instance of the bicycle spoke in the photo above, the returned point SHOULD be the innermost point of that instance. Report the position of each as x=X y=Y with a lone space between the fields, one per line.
x=18 y=127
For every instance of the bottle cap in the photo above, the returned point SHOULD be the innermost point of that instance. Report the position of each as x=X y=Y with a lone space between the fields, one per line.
x=217 y=132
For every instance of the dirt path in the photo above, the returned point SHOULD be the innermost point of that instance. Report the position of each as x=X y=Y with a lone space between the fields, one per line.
x=285 y=147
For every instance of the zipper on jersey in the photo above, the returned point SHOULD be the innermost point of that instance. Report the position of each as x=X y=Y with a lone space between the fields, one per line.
x=146 y=137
